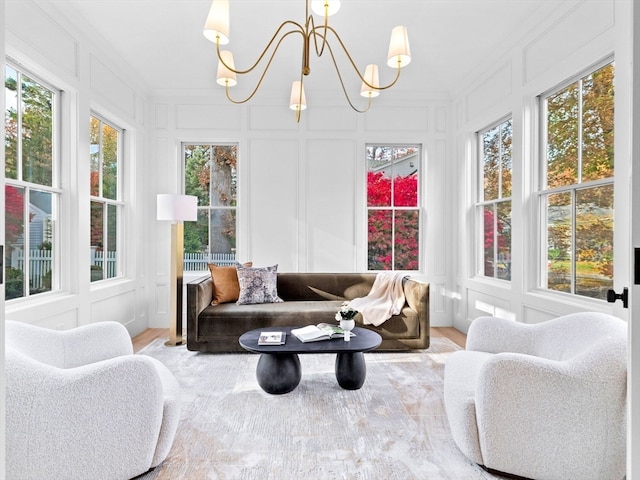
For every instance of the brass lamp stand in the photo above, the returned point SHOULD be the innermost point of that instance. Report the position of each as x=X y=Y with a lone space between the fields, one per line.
x=176 y=208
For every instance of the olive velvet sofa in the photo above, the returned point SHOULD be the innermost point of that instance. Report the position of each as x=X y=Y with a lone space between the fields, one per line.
x=308 y=298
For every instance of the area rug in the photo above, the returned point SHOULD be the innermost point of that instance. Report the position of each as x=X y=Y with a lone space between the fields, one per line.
x=394 y=427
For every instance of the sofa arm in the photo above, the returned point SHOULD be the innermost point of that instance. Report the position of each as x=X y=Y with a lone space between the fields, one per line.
x=199 y=296
x=416 y=294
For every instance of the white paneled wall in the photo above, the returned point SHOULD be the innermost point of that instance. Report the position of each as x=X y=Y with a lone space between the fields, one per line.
x=302 y=192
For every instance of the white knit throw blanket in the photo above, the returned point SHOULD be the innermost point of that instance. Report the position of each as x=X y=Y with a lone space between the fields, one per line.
x=385 y=299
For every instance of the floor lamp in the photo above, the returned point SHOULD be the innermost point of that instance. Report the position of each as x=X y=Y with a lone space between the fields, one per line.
x=177 y=209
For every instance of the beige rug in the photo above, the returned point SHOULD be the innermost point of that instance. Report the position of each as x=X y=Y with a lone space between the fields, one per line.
x=394 y=427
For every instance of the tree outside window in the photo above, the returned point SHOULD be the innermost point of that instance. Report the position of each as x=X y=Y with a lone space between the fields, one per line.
x=576 y=195
x=393 y=211
x=494 y=203
x=105 y=159
x=210 y=173
x=31 y=194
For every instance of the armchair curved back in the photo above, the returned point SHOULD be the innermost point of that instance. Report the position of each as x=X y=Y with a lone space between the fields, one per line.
x=571 y=335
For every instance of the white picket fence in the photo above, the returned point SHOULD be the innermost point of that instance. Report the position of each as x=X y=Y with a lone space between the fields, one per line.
x=39 y=266
x=40 y=262
x=195 y=262
x=97 y=259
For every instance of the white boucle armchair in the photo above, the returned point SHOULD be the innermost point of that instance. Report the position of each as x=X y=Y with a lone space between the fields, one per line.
x=80 y=405
x=544 y=401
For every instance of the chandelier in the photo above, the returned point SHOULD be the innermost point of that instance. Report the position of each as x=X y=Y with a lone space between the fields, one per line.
x=321 y=37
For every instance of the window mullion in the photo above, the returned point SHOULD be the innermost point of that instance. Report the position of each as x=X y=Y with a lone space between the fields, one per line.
x=105 y=238
x=499 y=164
x=100 y=159
x=26 y=245
x=574 y=259
x=580 y=132
x=19 y=126
x=495 y=239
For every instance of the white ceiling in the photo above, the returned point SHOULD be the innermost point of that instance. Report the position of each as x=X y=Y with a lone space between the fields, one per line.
x=162 y=41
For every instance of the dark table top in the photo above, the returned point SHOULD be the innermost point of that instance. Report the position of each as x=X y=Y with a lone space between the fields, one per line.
x=363 y=341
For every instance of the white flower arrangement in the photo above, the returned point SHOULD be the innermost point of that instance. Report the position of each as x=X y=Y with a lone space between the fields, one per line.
x=346 y=313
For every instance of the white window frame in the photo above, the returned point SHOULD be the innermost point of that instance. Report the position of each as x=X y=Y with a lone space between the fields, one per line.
x=542 y=192
x=118 y=202
x=208 y=208
x=419 y=207
x=55 y=189
x=481 y=203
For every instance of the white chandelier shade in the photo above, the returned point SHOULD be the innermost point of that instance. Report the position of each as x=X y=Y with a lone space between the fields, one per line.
x=298 y=99
x=216 y=27
x=399 y=51
x=320 y=38
x=371 y=78
x=226 y=76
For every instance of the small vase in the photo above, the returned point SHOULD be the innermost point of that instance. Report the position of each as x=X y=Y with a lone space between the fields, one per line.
x=347 y=326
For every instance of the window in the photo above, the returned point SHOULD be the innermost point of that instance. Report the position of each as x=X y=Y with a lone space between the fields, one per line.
x=493 y=209
x=32 y=195
x=393 y=213
x=210 y=173
x=576 y=191
x=106 y=205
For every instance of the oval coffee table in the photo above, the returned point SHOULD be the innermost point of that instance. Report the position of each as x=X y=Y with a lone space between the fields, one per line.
x=279 y=370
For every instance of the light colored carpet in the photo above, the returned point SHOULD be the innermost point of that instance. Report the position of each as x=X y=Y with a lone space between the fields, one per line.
x=394 y=427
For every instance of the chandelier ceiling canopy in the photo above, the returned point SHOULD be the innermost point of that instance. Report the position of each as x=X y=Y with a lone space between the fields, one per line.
x=317 y=38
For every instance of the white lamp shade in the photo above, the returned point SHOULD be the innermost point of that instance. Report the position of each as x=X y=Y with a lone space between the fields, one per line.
x=371 y=76
x=225 y=76
x=318 y=7
x=399 y=51
x=298 y=100
x=177 y=208
x=216 y=27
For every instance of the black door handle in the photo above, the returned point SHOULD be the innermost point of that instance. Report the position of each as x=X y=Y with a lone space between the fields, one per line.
x=612 y=296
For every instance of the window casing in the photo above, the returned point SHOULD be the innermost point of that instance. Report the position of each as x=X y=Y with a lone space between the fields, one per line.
x=106 y=207
x=576 y=185
x=32 y=191
x=393 y=207
x=493 y=208
x=210 y=173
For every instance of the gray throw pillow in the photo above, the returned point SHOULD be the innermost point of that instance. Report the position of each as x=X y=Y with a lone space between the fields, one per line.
x=257 y=285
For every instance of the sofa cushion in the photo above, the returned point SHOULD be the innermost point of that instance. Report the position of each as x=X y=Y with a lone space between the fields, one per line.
x=225 y=283
x=229 y=317
x=257 y=285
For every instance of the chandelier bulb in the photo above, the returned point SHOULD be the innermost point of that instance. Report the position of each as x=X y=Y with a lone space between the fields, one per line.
x=325 y=7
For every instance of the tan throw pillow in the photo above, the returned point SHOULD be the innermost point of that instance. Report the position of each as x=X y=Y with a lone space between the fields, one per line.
x=226 y=288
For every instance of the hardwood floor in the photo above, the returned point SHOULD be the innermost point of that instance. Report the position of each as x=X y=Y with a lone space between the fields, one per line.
x=145 y=338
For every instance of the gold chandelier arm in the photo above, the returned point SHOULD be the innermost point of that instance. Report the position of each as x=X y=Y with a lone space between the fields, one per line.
x=344 y=89
x=273 y=54
x=314 y=31
x=353 y=63
x=299 y=29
